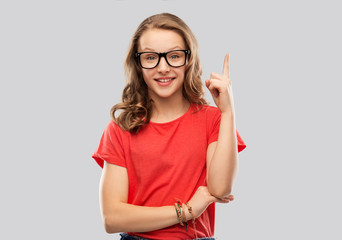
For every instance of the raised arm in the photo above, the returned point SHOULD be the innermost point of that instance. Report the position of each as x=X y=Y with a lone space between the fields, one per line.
x=222 y=157
x=222 y=160
x=119 y=216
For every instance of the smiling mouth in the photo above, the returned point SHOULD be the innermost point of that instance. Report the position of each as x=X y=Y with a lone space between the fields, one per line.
x=164 y=80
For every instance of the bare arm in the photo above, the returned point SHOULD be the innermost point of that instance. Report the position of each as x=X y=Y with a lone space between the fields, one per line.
x=119 y=216
x=222 y=159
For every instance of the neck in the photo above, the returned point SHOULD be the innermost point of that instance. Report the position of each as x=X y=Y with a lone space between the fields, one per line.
x=164 y=110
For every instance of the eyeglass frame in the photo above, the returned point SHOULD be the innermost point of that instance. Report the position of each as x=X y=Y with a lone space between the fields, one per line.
x=160 y=55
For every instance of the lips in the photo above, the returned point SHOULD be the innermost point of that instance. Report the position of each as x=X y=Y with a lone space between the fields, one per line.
x=164 y=80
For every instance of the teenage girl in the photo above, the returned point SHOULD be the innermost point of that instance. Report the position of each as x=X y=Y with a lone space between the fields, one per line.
x=167 y=156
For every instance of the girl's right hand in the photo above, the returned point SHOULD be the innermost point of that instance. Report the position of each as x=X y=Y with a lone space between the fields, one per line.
x=202 y=199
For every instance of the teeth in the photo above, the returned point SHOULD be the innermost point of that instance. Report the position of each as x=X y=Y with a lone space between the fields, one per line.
x=164 y=80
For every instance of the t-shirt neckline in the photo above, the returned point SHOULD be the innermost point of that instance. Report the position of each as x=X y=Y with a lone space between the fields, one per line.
x=175 y=120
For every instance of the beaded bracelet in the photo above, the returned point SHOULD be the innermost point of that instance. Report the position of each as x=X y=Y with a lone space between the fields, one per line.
x=187 y=204
x=183 y=213
x=184 y=217
x=179 y=214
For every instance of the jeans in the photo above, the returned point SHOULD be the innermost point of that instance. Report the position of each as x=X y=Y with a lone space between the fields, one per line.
x=125 y=236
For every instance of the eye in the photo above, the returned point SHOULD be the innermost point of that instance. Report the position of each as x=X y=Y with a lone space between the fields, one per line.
x=150 y=57
x=174 y=56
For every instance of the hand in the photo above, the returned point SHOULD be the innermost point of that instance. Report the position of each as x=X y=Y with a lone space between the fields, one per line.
x=220 y=88
x=202 y=199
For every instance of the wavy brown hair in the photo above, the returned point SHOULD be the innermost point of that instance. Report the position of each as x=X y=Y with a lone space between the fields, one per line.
x=136 y=106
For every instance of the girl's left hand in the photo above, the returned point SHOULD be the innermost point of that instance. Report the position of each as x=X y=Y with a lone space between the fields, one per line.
x=220 y=88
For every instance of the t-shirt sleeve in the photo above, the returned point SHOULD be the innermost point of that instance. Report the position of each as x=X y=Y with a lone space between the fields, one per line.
x=111 y=147
x=215 y=127
x=214 y=117
x=241 y=144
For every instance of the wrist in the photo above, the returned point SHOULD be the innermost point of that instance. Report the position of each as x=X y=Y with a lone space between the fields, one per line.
x=228 y=117
x=190 y=211
x=188 y=215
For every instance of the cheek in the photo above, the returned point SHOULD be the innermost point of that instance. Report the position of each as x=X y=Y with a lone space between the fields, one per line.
x=146 y=75
x=181 y=74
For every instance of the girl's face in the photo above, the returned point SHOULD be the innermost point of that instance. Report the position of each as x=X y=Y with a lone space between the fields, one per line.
x=163 y=81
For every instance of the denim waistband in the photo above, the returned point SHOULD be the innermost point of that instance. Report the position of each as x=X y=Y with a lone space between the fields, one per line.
x=125 y=236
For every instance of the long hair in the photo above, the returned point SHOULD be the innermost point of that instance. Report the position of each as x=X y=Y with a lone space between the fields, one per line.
x=136 y=105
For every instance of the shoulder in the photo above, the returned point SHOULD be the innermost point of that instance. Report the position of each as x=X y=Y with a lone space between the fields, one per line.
x=114 y=129
x=113 y=126
x=206 y=116
x=207 y=110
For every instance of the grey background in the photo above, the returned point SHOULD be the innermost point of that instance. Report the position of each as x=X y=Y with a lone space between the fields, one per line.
x=61 y=70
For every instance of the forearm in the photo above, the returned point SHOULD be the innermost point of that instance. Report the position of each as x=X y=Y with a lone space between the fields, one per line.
x=224 y=164
x=131 y=218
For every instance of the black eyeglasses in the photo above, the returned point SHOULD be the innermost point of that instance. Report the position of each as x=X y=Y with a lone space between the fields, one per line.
x=149 y=60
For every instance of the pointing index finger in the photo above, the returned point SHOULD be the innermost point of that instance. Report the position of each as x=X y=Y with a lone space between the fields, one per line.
x=226 y=66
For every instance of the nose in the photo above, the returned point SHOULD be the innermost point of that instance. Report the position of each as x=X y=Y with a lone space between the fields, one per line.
x=163 y=66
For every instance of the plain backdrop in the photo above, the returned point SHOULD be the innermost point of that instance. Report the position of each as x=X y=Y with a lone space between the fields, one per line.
x=61 y=70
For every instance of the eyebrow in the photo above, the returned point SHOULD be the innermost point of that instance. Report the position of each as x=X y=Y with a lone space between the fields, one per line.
x=170 y=49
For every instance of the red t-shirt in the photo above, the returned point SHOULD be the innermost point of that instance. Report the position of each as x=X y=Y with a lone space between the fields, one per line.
x=165 y=161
